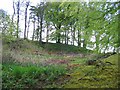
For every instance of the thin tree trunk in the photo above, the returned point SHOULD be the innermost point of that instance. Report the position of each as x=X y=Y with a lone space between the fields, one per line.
x=13 y=12
x=84 y=43
x=27 y=4
x=18 y=10
x=47 y=36
x=65 y=37
x=79 y=44
x=25 y=23
x=13 y=15
x=38 y=27
x=33 y=30
x=28 y=27
x=58 y=41
x=86 y=26
x=41 y=28
x=73 y=35
x=58 y=33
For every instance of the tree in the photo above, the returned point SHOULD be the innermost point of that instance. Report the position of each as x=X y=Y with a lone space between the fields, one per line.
x=95 y=19
x=18 y=14
x=41 y=16
x=38 y=12
x=28 y=24
x=26 y=8
x=77 y=22
x=48 y=29
x=33 y=18
x=55 y=15
x=7 y=26
x=13 y=11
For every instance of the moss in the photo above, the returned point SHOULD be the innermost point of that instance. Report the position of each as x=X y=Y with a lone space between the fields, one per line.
x=104 y=77
x=113 y=59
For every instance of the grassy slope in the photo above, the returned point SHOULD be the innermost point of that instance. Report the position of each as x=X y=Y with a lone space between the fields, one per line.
x=25 y=64
x=64 y=48
x=89 y=76
x=54 y=65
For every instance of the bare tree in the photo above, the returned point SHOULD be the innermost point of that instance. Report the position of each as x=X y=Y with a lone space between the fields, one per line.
x=26 y=8
x=28 y=26
x=41 y=15
x=18 y=15
x=13 y=11
x=34 y=20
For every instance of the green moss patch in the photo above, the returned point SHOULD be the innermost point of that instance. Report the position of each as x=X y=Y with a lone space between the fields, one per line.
x=93 y=77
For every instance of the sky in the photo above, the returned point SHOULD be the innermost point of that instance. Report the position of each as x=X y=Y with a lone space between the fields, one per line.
x=7 y=5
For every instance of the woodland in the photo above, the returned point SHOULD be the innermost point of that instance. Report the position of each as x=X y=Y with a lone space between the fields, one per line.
x=61 y=45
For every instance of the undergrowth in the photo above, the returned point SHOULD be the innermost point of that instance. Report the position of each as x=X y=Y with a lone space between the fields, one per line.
x=23 y=76
x=26 y=64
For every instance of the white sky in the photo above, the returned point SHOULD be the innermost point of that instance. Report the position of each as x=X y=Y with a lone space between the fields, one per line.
x=7 y=5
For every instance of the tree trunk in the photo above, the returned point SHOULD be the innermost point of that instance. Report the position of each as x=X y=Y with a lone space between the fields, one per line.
x=33 y=30
x=28 y=27
x=13 y=14
x=74 y=35
x=18 y=10
x=65 y=39
x=79 y=44
x=84 y=43
x=38 y=27
x=86 y=26
x=41 y=28
x=71 y=35
x=27 y=4
x=58 y=33
x=25 y=23
x=47 y=36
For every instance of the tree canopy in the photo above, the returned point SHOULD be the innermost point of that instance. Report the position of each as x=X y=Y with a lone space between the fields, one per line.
x=89 y=25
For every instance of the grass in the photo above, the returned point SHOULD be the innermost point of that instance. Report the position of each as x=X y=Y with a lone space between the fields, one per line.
x=19 y=76
x=28 y=65
x=64 y=48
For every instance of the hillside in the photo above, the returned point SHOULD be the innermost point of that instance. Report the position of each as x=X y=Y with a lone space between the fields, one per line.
x=27 y=64
x=30 y=59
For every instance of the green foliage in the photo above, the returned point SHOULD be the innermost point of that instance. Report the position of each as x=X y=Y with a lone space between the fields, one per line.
x=97 y=17
x=87 y=19
x=18 y=76
x=8 y=27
